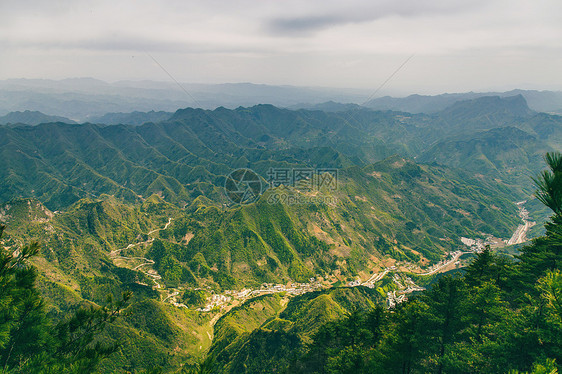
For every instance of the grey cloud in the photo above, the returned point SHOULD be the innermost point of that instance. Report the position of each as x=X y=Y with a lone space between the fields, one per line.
x=99 y=44
x=133 y=44
x=358 y=12
x=311 y=42
x=306 y=25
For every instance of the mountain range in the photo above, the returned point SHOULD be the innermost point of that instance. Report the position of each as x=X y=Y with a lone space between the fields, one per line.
x=190 y=153
x=136 y=202
x=83 y=99
x=31 y=118
x=541 y=101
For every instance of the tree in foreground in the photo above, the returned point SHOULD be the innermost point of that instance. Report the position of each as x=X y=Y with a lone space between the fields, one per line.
x=30 y=342
x=501 y=316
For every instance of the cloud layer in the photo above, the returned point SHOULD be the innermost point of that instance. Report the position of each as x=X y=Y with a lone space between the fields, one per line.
x=458 y=45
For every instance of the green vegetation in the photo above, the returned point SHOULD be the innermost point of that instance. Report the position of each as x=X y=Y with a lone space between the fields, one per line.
x=263 y=334
x=189 y=154
x=140 y=209
x=488 y=321
x=75 y=267
x=499 y=316
x=30 y=341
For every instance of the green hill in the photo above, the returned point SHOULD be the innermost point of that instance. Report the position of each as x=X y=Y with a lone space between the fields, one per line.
x=134 y=118
x=267 y=333
x=32 y=118
x=143 y=209
x=506 y=153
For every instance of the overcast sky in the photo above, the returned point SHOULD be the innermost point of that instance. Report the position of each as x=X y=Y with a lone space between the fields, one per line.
x=457 y=45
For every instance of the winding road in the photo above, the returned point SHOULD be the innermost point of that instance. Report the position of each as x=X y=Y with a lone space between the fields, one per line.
x=519 y=236
x=152 y=273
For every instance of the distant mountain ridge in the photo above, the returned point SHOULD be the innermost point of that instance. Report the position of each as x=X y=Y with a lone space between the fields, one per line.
x=134 y=118
x=188 y=154
x=328 y=106
x=87 y=98
x=512 y=106
x=31 y=118
x=540 y=101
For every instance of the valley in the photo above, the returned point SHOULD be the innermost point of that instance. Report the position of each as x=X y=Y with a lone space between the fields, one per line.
x=222 y=303
x=142 y=208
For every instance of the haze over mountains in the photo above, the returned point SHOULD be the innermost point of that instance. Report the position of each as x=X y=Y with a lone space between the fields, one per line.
x=216 y=140
x=31 y=118
x=540 y=101
x=84 y=99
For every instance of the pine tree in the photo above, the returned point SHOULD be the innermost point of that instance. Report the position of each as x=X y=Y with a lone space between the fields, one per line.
x=444 y=317
x=545 y=253
x=23 y=322
x=29 y=340
x=406 y=341
x=549 y=183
